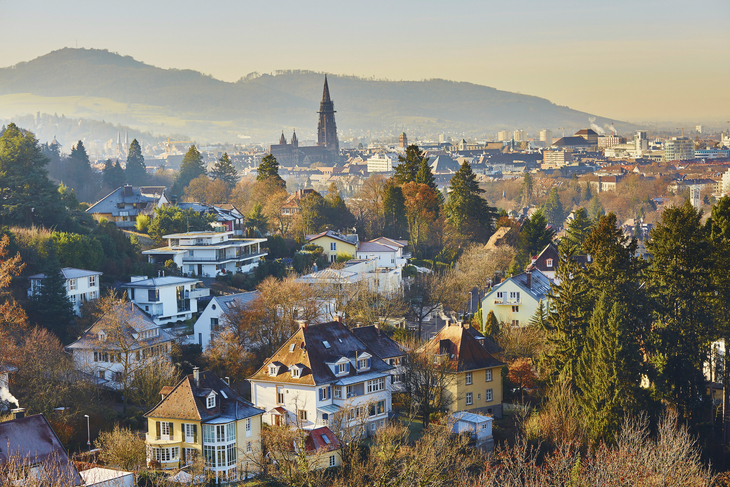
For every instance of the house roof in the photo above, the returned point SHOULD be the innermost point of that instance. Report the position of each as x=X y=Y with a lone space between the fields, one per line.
x=538 y=290
x=156 y=282
x=444 y=164
x=316 y=440
x=586 y=132
x=70 y=273
x=234 y=300
x=487 y=342
x=390 y=241
x=375 y=247
x=471 y=417
x=131 y=320
x=330 y=234
x=310 y=351
x=464 y=351
x=188 y=400
x=147 y=195
x=31 y=440
x=571 y=141
x=380 y=343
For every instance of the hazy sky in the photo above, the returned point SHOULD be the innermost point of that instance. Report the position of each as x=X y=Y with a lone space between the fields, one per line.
x=637 y=60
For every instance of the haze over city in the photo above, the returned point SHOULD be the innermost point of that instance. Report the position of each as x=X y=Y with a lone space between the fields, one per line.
x=632 y=61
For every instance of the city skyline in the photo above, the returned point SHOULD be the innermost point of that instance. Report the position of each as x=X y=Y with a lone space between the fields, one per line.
x=656 y=61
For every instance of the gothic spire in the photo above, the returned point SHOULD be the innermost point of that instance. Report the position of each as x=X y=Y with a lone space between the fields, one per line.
x=326 y=92
x=282 y=140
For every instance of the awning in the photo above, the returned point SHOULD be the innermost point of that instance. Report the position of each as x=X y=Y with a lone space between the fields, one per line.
x=278 y=410
x=329 y=409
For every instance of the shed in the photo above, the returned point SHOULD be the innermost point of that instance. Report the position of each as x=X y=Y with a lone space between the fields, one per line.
x=478 y=426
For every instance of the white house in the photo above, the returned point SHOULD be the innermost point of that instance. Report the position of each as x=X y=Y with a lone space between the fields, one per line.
x=81 y=286
x=479 y=427
x=166 y=299
x=388 y=253
x=322 y=374
x=209 y=254
x=384 y=162
x=118 y=344
x=212 y=317
x=515 y=300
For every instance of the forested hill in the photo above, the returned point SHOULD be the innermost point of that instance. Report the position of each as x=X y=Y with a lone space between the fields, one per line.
x=99 y=84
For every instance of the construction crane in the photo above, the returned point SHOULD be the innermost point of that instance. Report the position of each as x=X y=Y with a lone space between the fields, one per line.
x=682 y=129
x=170 y=143
x=563 y=130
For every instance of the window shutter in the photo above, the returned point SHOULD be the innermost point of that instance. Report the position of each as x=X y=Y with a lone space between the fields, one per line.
x=321 y=394
x=157 y=424
x=329 y=392
x=368 y=363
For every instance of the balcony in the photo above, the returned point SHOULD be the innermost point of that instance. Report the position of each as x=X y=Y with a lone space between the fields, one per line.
x=163 y=440
x=510 y=302
x=197 y=293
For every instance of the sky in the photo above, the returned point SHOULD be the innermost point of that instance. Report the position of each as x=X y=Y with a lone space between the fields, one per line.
x=632 y=60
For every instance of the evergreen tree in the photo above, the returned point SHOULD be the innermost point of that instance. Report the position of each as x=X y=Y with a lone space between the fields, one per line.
x=468 y=213
x=424 y=175
x=407 y=170
x=682 y=292
x=539 y=319
x=79 y=174
x=588 y=195
x=256 y=221
x=269 y=168
x=136 y=171
x=595 y=209
x=51 y=303
x=337 y=214
x=526 y=191
x=491 y=324
x=314 y=213
x=553 y=209
x=533 y=238
x=394 y=211
x=224 y=170
x=578 y=228
x=113 y=175
x=191 y=167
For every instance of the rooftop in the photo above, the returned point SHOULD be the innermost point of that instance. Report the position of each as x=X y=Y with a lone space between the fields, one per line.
x=70 y=273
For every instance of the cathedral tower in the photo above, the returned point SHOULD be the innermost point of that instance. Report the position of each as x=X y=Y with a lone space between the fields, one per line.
x=327 y=130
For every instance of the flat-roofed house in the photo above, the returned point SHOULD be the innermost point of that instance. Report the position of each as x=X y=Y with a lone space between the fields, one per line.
x=81 y=286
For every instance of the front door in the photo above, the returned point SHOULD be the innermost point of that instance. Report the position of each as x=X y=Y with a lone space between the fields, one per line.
x=200 y=270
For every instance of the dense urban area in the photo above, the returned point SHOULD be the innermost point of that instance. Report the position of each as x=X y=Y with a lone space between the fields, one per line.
x=545 y=308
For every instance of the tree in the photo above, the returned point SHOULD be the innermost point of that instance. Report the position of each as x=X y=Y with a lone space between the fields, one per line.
x=313 y=212
x=51 y=303
x=553 y=209
x=427 y=379
x=422 y=208
x=394 y=211
x=425 y=176
x=256 y=221
x=521 y=374
x=368 y=205
x=407 y=170
x=224 y=170
x=533 y=238
x=595 y=209
x=491 y=325
x=337 y=214
x=172 y=219
x=149 y=379
x=467 y=211
x=203 y=190
x=681 y=289
x=112 y=175
x=13 y=320
x=526 y=192
x=79 y=173
x=191 y=167
x=578 y=228
x=269 y=168
x=122 y=448
x=136 y=171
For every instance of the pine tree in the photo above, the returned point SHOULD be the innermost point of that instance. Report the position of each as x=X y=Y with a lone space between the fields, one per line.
x=539 y=319
x=553 y=208
x=51 y=303
x=269 y=168
x=191 y=167
x=113 y=175
x=491 y=324
x=224 y=170
x=407 y=170
x=79 y=174
x=468 y=213
x=526 y=191
x=424 y=175
x=394 y=211
x=533 y=238
x=595 y=209
x=136 y=171
x=578 y=228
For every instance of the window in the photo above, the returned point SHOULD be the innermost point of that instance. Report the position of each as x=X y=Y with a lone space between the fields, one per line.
x=273 y=369
x=488 y=375
x=102 y=374
x=333 y=245
x=338 y=392
x=500 y=295
x=92 y=295
x=377 y=408
x=166 y=454
x=302 y=414
x=189 y=455
x=164 y=429
x=248 y=426
x=213 y=324
x=376 y=385
x=248 y=447
x=489 y=396
x=515 y=309
x=131 y=294
x=333 y=258
x=191 y=433
x=231 y=432
x=363 y=364
x=326 y=344
x=515 y=322
x=72 y=285
x=92 y=281
x=153 y=295
x=468 y=378
x=395 y=361
x=469 y=399
x=280 y=395
x=325 y=393
x=350 y=392
x=295 y=372
x=549 y=263
x=332 y=461
x=343 y=368
x=514 y=295
x=210 y=401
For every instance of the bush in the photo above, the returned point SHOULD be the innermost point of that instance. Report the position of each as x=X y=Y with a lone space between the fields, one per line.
x=343 y=257
x=143 y=223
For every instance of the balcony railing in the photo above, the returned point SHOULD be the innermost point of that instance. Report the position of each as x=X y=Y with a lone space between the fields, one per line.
x=163 y=438
x=198 y=293
x=241 y=256
x=508 y=301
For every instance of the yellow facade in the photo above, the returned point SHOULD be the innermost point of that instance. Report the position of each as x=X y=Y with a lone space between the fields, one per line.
x=458 y=391
x=332 y=247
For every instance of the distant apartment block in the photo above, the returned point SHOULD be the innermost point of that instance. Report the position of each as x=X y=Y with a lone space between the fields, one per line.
x=552 y=159
x=382 y=162
x=679 y=149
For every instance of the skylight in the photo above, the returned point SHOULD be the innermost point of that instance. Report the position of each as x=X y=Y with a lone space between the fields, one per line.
x=224 y=394
x=326 y=440
x=326 y=344
x=291 y=347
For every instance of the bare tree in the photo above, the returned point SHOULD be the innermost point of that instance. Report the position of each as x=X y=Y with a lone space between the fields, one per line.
x=122 y=448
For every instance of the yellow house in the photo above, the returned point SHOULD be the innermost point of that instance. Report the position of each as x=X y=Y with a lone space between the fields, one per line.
x=323 y=448
x=202 y=415
x=476 y=385
x=335 y=243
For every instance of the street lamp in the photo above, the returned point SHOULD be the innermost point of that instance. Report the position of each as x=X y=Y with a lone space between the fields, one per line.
x=88 y=431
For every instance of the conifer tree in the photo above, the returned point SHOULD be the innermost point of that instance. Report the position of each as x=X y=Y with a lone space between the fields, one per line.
x=425 y=176
x=491 y=324
x=578 y=228
x=595 y=209
x=136 y=170
x=468 y=213
x=113 y=175
x=526 y=191
x=51 y=303
x=269 y=168
x=224 y=170
x=553 y=208
x=533 y=238
x=394 y=211
x=191 y=167
x=79 y=174
x=407 y=169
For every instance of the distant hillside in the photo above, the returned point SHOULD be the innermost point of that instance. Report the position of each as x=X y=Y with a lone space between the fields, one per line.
x=98 y=84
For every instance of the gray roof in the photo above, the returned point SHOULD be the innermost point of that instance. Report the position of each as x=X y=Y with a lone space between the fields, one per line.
x=470 y=417
x=235 y=300
x=31 y=440
x=375 y=247
x=156 y=282
x=149 y=196
x=444 y=163
x=380 y=343
x=540 y=284
x=70 y=273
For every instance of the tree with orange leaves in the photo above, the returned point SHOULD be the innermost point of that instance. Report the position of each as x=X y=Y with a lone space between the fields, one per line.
x=521 y=374
x=422 y=208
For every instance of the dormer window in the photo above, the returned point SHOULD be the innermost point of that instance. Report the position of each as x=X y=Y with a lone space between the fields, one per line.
x=273 y=370
x=210 y=400
x=296 y=372
x=363 y=364
x=102 y=336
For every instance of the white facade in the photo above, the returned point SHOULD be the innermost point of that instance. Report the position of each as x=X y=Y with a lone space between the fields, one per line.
x=386 y=256
x=382 y=162
x=213 y=316
x=209 y=254
x=81 y=286
x=166 y=299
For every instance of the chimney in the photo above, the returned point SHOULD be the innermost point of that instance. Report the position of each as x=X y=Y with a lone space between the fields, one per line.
x=377 y=328
x=529 y=279
x=339 y=321
x=447 y=321
x=196 y=376
x=302 y=324
x=228 y=381
x=18 y=413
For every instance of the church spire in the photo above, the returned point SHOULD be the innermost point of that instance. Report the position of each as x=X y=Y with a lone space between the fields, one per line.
x=326 y=92
x=282 y=140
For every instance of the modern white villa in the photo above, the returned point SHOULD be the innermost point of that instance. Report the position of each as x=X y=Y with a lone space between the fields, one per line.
x=81 y=286
x=209 y=254
x=213 y=316
x=166 y=299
